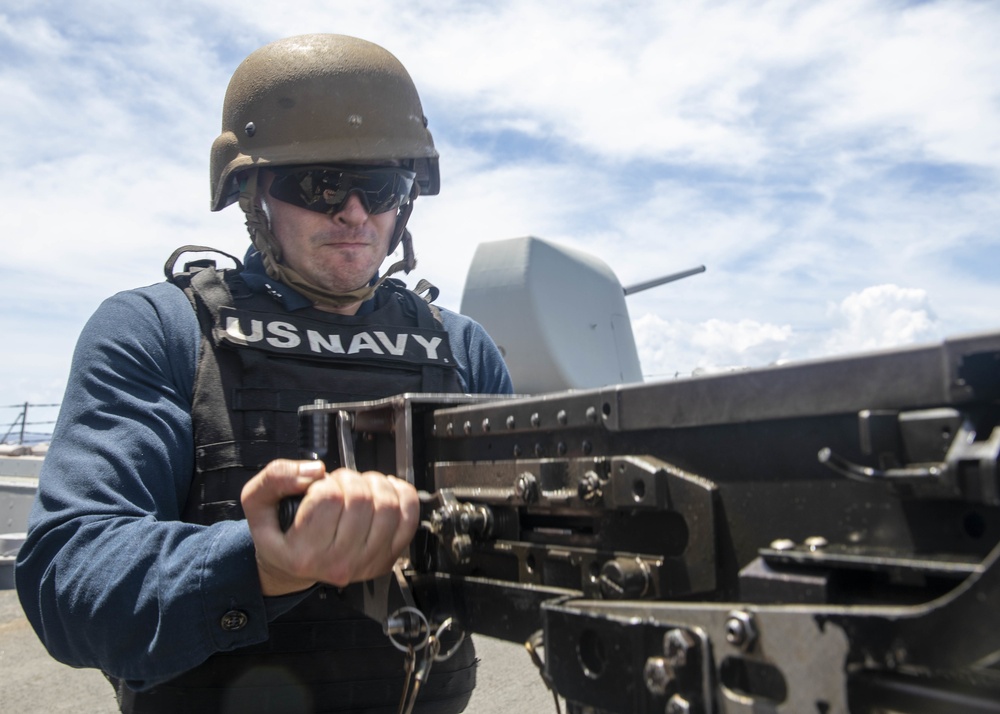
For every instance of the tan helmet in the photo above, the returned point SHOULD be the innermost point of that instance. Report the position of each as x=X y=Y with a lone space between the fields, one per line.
x=316 y=99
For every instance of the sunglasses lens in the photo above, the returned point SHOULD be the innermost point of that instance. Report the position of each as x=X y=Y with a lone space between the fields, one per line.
x=325 y=189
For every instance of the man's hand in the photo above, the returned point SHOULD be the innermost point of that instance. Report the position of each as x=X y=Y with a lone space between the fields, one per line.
x=349 y=527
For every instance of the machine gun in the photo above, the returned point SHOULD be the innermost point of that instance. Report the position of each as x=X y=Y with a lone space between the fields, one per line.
x=813 y=537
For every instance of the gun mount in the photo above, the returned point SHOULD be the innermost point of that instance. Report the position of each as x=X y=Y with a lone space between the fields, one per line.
x=814 y=537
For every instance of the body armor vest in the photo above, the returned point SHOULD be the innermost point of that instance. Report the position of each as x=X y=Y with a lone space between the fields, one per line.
x=257 y=365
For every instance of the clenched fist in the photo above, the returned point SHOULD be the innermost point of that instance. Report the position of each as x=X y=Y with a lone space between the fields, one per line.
x=349 y=527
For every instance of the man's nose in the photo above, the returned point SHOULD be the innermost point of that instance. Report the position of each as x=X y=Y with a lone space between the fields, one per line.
x=354 y=210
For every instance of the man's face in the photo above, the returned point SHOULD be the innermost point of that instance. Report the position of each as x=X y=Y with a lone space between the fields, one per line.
x=340 y=251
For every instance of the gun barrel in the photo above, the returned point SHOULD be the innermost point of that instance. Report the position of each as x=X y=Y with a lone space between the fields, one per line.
x=639 y=287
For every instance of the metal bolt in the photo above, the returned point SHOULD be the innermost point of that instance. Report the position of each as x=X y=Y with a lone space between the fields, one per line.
x=467 y=427
x=678 y=705
x=250 y=128
x=526 y=487
x=741 y=630
x=511 y=422
x=535 y=419
x=486 y=425
x=561 y=417
x=624 y=578
x=450 y=429
x=677 y=643
x=589 y=488
x=656 y=676
x=591 y=414
x=461 y=549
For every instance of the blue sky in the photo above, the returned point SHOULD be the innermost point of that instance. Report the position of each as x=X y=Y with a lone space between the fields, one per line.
x=835 y=163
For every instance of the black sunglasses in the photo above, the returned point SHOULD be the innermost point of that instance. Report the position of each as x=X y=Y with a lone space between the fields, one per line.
x=325 y=189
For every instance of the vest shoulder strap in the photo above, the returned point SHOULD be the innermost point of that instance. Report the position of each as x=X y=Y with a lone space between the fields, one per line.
x=194 y=265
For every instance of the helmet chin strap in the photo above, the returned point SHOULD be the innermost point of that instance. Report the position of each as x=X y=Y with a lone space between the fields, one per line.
x=263 y=240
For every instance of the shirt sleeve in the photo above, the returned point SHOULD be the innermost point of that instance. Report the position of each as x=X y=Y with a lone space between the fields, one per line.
x=109 y=575
x=480 y=365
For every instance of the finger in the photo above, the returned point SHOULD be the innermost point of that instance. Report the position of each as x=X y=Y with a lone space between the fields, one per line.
x=345 y=547
x=379 y=556
x=409 y=511
x=280 y=478
x=319 y=513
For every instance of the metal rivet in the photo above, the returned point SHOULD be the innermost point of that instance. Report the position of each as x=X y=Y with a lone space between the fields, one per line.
x=467 y=427
x=511 y=422
x=591 y=414
x=816 y=543
x=486 y=424
x=354 y=120
x=782 y=544
x=535 y=420
x=561 y=416
x=250 y=128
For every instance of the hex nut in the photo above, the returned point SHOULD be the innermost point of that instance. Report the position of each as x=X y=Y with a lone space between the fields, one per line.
x=741 y=630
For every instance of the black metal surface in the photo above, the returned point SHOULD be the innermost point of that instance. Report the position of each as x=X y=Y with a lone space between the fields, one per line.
x=817 y=537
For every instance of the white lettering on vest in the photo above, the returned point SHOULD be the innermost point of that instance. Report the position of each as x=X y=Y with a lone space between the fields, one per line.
x=284 y=335
x=318 y=343
x=235 y=330
x=363 y=341
x=429 y=345
x=397 y=348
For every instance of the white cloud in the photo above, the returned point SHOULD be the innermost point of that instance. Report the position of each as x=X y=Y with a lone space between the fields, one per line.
x=803 y=152
x=877 y=317
x=674 y=348
x=881 y=316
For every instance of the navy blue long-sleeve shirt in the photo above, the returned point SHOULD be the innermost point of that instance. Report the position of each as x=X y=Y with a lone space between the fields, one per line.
x=109 y=575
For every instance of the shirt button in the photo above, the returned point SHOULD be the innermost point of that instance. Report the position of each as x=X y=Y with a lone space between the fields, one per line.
x=234 y=620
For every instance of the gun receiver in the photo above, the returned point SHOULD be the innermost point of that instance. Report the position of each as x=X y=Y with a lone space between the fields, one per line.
x=814 y=537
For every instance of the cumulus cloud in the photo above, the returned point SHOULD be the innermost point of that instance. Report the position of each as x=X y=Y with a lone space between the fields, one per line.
x=877 y=317
x=881 y=316
x=803 y=152
x=674 y=348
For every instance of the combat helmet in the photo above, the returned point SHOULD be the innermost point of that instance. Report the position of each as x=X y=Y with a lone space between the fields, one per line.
x=319 y=99
x=315 y=99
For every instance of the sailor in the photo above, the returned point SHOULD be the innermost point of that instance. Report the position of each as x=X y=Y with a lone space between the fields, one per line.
x=154 y=551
